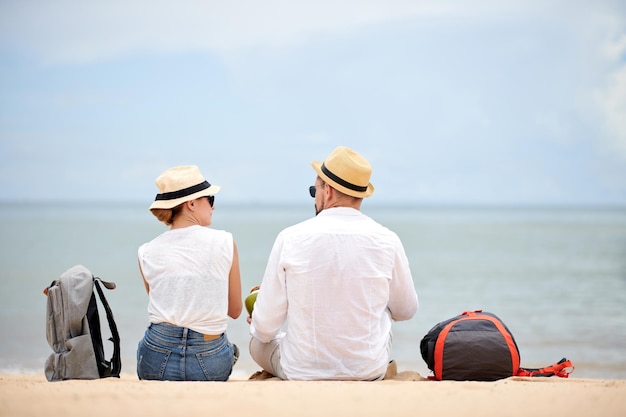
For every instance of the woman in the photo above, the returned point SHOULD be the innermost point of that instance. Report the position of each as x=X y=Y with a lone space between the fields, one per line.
x=191 y=274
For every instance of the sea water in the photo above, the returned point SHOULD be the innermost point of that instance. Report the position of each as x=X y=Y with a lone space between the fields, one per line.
x=555 y=276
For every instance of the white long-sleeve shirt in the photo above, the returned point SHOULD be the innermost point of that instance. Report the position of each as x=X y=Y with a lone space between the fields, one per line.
x=337 y=280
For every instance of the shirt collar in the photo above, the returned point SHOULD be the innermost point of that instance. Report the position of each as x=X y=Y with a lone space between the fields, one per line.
x=340 y=211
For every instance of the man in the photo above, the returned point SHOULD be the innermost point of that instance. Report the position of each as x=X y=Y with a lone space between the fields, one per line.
x=337 y=280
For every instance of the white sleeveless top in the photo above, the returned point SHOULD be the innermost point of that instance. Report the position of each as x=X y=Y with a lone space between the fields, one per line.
x=187 y=271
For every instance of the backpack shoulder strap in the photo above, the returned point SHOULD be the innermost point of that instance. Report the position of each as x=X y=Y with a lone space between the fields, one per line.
x=562 y=369
x=116 y=361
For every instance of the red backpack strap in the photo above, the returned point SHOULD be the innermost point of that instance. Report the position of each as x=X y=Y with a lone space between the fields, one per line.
x=562 y=369
x=470 y=312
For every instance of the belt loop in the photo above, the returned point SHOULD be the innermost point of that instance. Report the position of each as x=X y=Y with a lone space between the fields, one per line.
x=185 y=334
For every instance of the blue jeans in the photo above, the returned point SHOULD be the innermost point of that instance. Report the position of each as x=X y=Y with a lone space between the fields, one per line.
x=171 y=353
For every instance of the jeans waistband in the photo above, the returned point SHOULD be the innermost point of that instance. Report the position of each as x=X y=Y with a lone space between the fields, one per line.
x=182 y=332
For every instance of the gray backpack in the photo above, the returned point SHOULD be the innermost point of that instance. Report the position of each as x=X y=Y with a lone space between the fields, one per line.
x=73 y=328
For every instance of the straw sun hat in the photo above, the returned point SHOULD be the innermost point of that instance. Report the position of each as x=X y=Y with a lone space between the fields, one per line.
x=179 y=184
x=346 y=171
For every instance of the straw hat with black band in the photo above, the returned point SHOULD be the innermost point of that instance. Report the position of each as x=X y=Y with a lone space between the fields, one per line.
x=180 y=184
x=347 y=171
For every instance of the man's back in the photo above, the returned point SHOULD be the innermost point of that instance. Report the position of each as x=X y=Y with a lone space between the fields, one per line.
x=339 y=273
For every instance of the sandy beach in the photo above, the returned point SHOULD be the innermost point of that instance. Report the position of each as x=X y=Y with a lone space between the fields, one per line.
x=406 y=394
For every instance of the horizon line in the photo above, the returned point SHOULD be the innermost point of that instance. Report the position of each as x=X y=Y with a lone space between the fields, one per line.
x=366 y=203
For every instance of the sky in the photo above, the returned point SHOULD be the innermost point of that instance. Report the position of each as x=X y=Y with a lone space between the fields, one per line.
x=519 y=102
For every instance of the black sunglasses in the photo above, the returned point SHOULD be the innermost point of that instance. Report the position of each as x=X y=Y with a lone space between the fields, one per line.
x=211 y=199
x=312 y=191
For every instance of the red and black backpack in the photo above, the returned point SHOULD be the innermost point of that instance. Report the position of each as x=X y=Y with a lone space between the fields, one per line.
x=477 y=346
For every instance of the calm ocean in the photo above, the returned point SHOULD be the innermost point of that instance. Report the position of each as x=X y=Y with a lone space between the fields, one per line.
x=555 y=276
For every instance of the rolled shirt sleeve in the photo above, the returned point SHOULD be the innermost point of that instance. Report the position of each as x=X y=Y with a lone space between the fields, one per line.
x=270 y=308
x=403 y=301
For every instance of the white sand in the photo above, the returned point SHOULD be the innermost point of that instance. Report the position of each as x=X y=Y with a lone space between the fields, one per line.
x=408 y=394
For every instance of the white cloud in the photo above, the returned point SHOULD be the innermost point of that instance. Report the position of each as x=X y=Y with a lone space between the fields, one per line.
x=613 y=104
x=611 y=99
x=83 y=32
